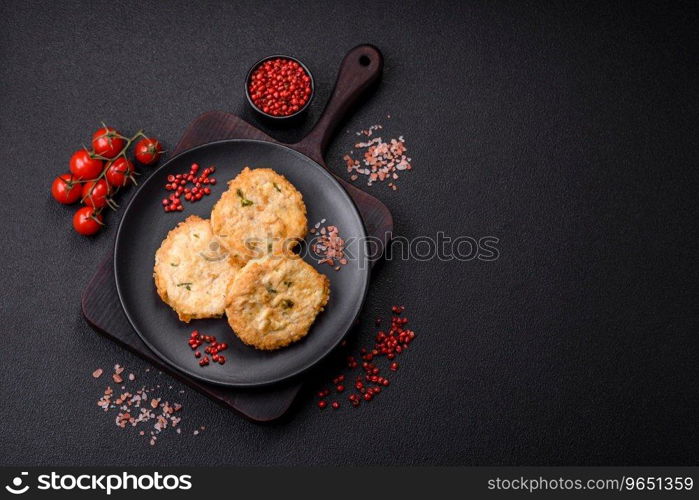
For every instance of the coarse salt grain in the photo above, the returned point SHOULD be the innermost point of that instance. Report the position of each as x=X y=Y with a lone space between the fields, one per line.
x=380 y=160
x=368 y=132
x=131 y=413
x=328 y=245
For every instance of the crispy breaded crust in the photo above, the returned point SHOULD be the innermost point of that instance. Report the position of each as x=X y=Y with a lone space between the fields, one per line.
x=193 y=271
x=260 y=213
x=275 y=300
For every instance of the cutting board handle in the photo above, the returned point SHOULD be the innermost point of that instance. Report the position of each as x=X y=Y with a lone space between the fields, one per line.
x=361 y=67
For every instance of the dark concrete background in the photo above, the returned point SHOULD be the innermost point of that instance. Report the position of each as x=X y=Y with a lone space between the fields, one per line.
x=568 y=131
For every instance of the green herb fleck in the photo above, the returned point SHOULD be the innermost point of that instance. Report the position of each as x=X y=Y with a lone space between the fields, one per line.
x=276 y=187
x=196 y=235
x=288 y=283
x=173 y=264
x=186 y=285
x=287 y=304
x=270 y=289
x=269 y=247
x=244 y=202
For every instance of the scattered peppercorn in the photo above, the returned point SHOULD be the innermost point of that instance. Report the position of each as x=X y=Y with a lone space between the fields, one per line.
x=196 y=339
x=178 y=184
x=387 y=344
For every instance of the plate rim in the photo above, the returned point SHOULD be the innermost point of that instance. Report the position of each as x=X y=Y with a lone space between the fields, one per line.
x=307 y=366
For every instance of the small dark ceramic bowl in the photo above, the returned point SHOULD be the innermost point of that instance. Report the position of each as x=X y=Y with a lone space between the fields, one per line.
x=267 y=115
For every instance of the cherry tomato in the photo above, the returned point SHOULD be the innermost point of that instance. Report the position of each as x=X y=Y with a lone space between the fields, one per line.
x=95 y=193
x=118 y=172
x=148 y=151
x=107 y=142
x=84 y=221
x=83 y=167
x=65 y=189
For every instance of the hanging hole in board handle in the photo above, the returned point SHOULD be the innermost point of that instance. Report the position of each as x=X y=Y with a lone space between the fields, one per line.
x=360 y=69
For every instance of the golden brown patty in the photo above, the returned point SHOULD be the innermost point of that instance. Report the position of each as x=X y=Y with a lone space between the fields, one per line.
x=260 y=213
x=274 y=300
x=193 y=271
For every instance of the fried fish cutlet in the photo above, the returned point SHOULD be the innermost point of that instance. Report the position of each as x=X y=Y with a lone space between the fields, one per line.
x=260 y=213
x=275 y=300
x=192 y=271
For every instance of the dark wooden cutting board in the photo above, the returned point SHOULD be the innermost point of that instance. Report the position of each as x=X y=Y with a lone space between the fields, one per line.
x=361 y=67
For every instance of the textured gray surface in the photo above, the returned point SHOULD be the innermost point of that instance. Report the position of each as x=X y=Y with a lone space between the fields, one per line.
x=568 y=132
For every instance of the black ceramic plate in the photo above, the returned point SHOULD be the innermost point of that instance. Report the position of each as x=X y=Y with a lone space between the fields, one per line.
x=145 y=224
